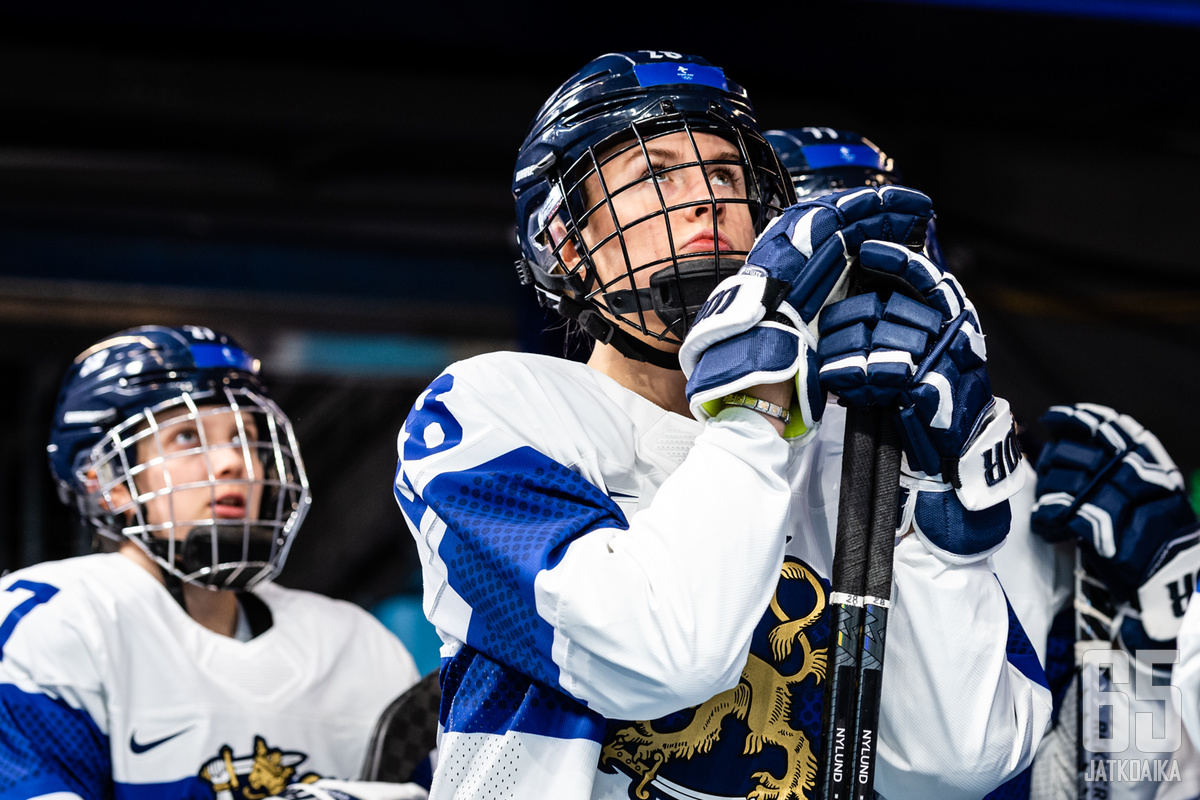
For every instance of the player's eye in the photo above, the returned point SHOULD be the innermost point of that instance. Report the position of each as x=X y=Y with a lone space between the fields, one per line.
x=183 y=438
x=655 y=172
x=250 y=437
x=725 y=176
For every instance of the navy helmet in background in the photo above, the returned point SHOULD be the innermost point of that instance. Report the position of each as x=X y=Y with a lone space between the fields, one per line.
x=825 y=160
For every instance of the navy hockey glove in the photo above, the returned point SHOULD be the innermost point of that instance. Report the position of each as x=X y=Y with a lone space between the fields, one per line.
x=326 y=789
x=797 y=266
x=1107 y=482
x=927 y=359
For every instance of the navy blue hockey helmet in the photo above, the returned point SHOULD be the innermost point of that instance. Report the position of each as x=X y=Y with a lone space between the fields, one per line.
x=614 y=109
x=825 y=160
x=137 y=427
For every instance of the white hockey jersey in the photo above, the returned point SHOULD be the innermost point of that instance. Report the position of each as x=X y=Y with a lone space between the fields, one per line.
x=108 y=689
x=634 y=604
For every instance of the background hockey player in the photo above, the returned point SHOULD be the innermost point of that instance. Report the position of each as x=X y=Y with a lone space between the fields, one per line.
x=1108 y=490
x=169 y=666
x=629 y=562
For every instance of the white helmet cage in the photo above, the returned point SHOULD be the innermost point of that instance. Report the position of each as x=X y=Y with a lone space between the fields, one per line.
x=195 y=542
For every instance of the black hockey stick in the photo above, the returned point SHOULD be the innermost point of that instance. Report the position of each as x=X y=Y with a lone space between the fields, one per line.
x=838 y=730
x=877 y=594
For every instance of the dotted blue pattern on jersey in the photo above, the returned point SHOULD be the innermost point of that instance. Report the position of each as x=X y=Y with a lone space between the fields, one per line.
x=482 y=696
x=47 y=746
x=506 y=521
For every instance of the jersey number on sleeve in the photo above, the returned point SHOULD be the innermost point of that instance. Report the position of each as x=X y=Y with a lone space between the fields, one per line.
x=41 y=593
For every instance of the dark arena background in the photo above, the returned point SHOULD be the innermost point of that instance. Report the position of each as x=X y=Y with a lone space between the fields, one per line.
x=331 y=186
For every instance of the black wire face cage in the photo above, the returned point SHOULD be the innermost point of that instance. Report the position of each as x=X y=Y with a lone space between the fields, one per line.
x=659 y=296
x=210 y=484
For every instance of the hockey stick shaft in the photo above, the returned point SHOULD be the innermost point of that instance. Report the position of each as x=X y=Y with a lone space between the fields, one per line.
x=838 y=733
x=876 y=602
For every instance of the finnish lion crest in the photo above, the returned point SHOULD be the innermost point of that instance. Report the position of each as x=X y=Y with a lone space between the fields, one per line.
x=762 y=702
x=264 y=773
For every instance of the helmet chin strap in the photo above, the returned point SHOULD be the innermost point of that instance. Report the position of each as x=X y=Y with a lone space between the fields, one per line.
x=675 y=296
x=605 y=331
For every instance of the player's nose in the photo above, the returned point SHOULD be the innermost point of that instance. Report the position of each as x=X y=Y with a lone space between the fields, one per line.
x=702 y=197
x=228 y=460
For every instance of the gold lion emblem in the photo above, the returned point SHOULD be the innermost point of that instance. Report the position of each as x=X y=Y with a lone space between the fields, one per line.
x=762 y=700
x=265 y=773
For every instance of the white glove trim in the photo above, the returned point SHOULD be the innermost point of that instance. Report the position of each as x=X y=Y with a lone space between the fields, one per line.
x=1166 y=477
x=945 y=409
x=801 y=237
x=1103 y=537
x=867 y=190
x=915 y=486
x=893 y=357
x=848 y=362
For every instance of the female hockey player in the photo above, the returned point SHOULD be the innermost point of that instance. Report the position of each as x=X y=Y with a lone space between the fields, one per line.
x=169 y=666
x=628 y=561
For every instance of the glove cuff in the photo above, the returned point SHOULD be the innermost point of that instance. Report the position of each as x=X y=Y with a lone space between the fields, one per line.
x=773 y=354
x=954 y=534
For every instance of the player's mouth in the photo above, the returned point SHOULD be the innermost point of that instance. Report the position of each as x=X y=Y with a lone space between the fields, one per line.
x=229 y=506
x=703 y=242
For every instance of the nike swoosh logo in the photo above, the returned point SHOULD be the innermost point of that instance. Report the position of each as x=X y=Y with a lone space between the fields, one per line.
x=139 y=748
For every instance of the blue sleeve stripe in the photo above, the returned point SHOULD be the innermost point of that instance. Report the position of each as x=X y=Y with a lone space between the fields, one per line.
x=46 y=743
x=482 y=696
x=506 y=521
x=1020 y=650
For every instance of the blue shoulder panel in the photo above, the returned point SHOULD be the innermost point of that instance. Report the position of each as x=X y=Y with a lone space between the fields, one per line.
x=47 y=746
x=506 y=521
